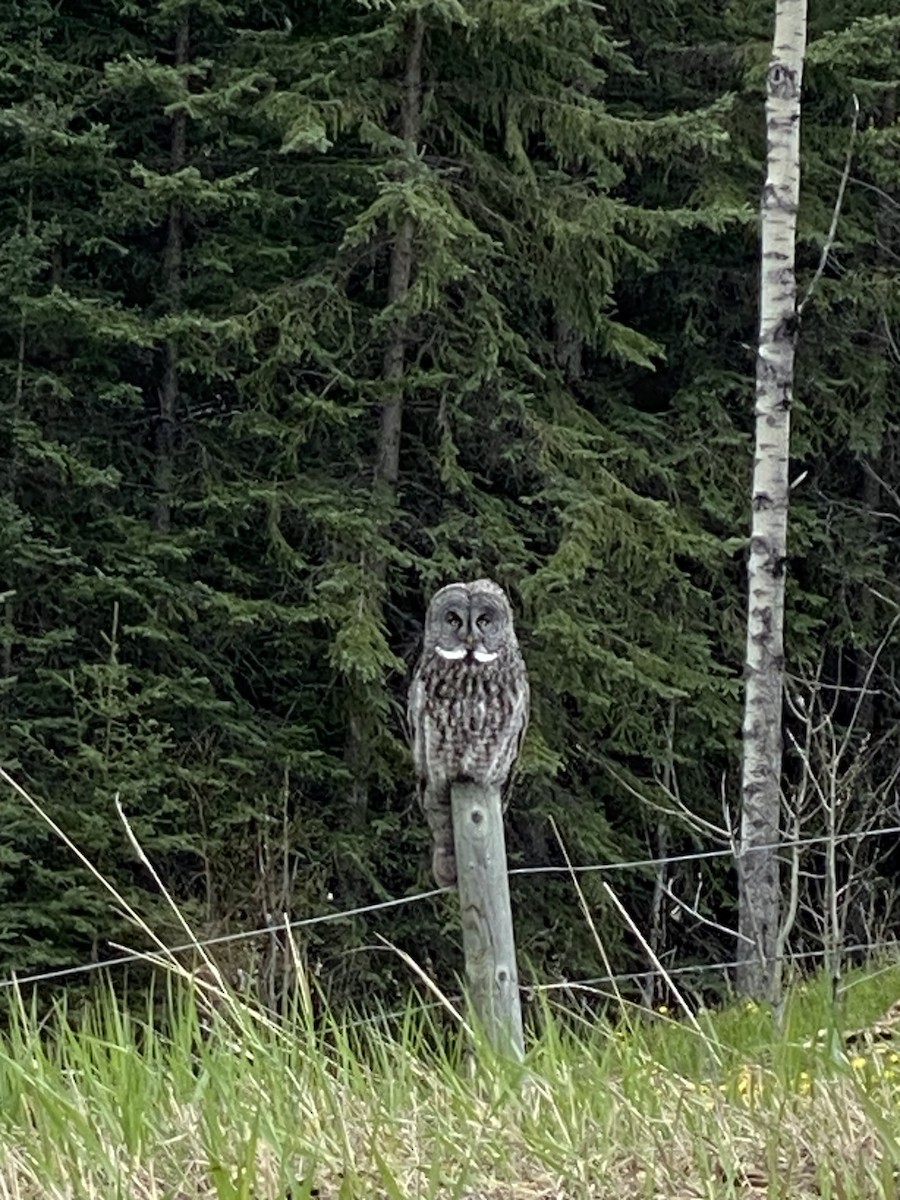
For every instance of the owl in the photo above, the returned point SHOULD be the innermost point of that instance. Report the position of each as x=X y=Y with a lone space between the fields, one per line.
x=468 y=705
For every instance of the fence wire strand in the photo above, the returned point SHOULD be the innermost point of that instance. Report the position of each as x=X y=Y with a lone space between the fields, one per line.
x=400 y=901
x=595 y=982
x=700 y=855
x=220 y=940
x=697 y=968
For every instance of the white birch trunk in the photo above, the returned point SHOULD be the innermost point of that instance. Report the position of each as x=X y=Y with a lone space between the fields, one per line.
x=758 y=876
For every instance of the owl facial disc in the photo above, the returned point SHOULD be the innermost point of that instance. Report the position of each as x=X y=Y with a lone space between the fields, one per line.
x=471 y=624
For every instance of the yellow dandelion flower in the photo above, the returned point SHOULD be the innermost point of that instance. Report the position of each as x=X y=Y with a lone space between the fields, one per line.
x=858 y=1063
x=745 y=1085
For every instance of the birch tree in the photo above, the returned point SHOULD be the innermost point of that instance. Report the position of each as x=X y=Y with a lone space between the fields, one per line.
x=758 y=875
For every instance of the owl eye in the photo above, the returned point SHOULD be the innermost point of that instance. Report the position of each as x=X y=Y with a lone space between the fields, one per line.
x=484 y=620
x=454 y=620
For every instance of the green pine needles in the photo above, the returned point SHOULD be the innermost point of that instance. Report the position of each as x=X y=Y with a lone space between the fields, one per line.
x=308 y=309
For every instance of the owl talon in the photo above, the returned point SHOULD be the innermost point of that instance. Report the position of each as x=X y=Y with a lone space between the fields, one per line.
x=443 y=867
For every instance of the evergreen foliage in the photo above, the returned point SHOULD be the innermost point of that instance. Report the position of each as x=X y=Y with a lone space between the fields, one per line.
x=213 y=579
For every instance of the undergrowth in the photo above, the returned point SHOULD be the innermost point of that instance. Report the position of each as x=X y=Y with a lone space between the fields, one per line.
x=199 y=1094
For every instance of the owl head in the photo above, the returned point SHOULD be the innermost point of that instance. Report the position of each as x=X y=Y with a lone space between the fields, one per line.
x=469 y=622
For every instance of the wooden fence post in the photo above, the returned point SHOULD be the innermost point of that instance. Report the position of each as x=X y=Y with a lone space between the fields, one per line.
x=487 y=928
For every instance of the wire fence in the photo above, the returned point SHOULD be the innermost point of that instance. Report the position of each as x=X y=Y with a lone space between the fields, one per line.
x=57 y=974
x=701 y=855
x=698 y=968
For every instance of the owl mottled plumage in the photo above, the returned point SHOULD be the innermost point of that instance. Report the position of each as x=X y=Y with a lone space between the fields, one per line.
x=468 y=704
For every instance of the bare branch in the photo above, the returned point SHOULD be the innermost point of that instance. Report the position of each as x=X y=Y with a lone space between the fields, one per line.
x=679 y=810
x=882 y=483
x=703 y=920
x=832 y=232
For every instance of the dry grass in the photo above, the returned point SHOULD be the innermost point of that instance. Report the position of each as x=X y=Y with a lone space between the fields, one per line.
x=112 y=1106
x=205 y=1097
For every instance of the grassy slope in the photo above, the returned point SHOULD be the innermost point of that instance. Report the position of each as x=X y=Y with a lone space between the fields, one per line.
x=115 y=1108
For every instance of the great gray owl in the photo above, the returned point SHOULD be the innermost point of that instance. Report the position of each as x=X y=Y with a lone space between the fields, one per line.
x=468 y=704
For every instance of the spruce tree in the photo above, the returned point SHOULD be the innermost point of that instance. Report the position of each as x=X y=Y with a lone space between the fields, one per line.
x=307 y=309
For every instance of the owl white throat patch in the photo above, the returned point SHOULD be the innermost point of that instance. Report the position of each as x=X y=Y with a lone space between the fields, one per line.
x=484 y=656
x=458 y=653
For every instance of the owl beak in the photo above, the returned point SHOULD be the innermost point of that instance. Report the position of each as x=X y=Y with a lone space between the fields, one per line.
x=470 y=640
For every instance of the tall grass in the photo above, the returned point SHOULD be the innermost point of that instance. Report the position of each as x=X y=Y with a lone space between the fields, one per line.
x=201 y=1095
x=170 y=1102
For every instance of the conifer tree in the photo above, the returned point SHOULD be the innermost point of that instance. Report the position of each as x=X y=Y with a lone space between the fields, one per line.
x=307 y=309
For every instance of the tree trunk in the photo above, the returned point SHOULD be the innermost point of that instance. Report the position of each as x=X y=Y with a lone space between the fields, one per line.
x=11 y=482
x=887 y=226
x=758 y=876
x=168 y=392
x=11 y=488
x=387 y=468
x=569 y=349
x=387 y=458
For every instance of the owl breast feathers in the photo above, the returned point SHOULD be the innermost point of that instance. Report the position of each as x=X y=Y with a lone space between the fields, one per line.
x=468 y=704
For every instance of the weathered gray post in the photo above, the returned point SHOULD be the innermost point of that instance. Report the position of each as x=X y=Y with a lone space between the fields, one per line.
x=487 y=928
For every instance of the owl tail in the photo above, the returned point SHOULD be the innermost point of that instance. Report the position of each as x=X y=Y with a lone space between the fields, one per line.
x=436 y=803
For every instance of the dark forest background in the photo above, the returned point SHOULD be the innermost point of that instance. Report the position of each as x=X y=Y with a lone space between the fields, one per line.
x=244 y=245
